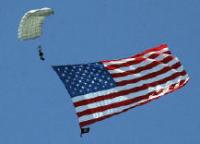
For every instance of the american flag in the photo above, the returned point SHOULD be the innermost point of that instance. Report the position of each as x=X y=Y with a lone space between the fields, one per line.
x=102 y=89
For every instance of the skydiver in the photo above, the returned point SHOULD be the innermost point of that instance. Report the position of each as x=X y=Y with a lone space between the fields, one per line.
x=41 y=54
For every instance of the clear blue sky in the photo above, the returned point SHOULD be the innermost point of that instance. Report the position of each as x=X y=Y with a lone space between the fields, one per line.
x=35 y=108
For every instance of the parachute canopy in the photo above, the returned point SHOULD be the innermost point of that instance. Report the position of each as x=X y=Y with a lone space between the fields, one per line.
x=30 y=26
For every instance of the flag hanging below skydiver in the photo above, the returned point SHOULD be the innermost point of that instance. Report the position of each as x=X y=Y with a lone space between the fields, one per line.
x=102 y=89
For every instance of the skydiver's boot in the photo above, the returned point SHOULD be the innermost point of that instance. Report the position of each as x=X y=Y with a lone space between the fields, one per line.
x=42 y=58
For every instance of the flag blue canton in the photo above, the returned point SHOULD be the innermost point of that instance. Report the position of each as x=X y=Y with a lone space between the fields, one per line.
x=85 y=78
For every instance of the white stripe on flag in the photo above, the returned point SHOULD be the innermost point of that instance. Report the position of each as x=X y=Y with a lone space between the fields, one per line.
x=126 y=87
x=135 y=66
x=121 y=108
x=129 y=96
x=145 y=72
x=132 y=59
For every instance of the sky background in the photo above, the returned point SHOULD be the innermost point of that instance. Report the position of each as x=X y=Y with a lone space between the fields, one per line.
x=35 y=108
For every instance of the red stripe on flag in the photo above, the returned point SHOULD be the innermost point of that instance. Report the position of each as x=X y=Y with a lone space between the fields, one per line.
x=148 y=76
x=142 y=68
x=129 y=63
x=155 y=49
x=82 y=124
x=136 y=60
x=122 y=103
x=132 y=90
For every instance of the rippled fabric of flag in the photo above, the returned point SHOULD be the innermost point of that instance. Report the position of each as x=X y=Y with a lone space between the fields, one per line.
x=102 y=89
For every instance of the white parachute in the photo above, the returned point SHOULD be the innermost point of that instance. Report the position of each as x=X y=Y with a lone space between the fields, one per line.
x=30 y=26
